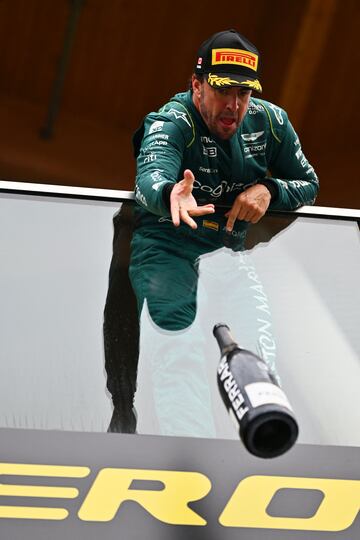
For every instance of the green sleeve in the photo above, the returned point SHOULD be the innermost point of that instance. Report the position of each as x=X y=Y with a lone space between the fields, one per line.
x=159 y=162
x=294 y=177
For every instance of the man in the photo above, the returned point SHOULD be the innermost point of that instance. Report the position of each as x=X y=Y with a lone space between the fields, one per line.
x=209 y=162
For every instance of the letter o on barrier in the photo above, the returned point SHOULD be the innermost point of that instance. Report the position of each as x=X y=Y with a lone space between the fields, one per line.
x=248 y=504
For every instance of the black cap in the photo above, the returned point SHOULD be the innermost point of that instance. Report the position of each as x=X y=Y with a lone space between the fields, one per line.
x=229 y=59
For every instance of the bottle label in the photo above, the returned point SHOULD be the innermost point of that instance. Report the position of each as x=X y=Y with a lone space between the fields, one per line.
x=263 y=393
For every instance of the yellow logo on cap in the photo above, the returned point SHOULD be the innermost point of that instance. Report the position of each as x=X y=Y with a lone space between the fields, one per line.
x=253 y=84
x=215 y=80
x=236 y=57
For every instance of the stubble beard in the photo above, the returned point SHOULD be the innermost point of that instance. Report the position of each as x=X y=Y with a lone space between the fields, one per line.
x=211 y=122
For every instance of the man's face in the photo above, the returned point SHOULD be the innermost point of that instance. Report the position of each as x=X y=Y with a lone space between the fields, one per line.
x=222 y=109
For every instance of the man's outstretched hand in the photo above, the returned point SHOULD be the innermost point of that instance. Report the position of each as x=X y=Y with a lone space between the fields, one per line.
x=182 y=203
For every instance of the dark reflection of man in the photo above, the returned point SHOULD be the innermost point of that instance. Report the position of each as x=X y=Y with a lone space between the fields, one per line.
x=203 y=163
x=241 y=294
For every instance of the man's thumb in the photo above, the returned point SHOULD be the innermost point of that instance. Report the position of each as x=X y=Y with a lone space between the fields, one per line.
x=188 y=176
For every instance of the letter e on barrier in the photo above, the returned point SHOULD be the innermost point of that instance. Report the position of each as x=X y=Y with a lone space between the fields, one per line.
x=48 y=491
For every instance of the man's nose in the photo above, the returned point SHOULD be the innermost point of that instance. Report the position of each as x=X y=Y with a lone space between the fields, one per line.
x=232 y=103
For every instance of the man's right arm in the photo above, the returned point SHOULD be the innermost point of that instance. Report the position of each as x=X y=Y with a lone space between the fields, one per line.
x=159 y=161
x=160 y=188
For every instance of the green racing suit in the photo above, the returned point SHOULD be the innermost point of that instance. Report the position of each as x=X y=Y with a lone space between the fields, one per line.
x=176 y=138
x=165 y=260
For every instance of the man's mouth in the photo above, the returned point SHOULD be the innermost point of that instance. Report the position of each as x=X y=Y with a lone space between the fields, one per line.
x=227 y=121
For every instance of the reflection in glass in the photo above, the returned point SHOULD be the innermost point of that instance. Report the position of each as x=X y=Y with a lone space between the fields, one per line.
x=289 y=294
x=172 y=278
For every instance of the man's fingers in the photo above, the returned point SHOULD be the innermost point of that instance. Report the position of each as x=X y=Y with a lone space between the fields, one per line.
x=230 y=223
x=233 y=215
x=243 y=213
x=182 y=203
x=237 y=212
x=184 y=215
x=181 y=214
x=175 y=214
x=202 y=210
x=256 y=218
x=249 y=215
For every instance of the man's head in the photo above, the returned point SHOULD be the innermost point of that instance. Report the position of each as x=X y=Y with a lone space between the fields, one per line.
x=224 y=76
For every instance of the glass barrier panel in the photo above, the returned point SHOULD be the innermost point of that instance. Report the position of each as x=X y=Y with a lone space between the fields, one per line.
x=287 y=288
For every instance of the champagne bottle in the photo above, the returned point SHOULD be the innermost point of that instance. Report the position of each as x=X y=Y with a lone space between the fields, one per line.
x=266 y=422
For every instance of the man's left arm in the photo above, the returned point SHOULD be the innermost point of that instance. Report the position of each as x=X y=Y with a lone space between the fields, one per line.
x=293 y=182
x=293 y=179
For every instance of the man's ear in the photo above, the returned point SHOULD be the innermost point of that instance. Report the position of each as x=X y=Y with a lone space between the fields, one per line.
x=196 y=86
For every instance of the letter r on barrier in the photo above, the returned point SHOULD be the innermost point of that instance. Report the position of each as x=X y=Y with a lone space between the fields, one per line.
x=113 y=486
x=248 y=504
